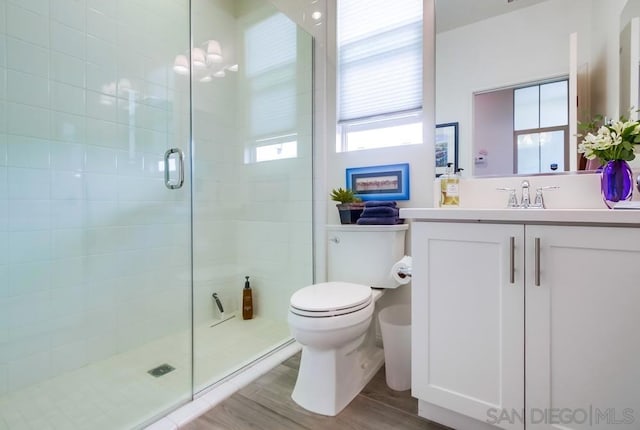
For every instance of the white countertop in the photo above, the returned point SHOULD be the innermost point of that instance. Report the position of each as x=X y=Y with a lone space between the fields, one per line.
x=531 y=216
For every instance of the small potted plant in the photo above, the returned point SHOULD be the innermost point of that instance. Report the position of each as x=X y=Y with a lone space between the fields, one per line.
x=350 y=206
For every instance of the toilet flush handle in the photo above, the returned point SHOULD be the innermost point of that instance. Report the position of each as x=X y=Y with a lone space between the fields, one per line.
x=334 y=239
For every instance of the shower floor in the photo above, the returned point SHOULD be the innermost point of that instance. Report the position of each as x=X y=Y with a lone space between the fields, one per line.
x=118 y=393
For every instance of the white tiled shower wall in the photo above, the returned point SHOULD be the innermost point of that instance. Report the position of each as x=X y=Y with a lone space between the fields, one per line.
x=94 y=250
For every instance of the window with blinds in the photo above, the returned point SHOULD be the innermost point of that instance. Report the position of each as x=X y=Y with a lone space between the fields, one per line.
x=379 y=73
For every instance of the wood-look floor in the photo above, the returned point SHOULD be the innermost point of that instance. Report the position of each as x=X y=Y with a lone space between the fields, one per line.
x=266 y=404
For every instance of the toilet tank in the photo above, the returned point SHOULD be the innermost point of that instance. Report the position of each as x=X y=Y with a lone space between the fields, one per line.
x=364 y=254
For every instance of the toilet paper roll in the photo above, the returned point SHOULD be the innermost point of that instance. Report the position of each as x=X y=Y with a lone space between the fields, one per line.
x=401 y=270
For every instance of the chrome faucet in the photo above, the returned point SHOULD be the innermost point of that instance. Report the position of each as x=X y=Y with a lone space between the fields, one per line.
x=218 y=302
x=526 y=198
x=538 y=202
x=513 y=199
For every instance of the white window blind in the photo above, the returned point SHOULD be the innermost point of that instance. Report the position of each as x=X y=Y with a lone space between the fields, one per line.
x=380 y=57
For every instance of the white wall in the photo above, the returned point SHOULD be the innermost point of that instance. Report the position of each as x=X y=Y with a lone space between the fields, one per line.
x=603 y=41
x=329 y=166
x=418 y=156
x=332 y=165
x=492 y=126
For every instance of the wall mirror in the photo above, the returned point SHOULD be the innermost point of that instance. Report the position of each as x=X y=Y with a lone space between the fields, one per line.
x=496 y=59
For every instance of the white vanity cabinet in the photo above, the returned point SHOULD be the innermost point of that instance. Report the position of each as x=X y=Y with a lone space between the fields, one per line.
x=468 y=317
x=582 y=327
x=527 y=325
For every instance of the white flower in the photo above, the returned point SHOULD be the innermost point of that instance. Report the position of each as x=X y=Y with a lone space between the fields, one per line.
x=607 y=143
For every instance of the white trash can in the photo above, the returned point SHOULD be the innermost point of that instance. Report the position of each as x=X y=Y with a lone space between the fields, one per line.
x=395 y=325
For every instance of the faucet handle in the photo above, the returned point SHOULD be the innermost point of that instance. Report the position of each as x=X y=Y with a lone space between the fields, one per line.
x=513 y=200
x=538 y=203
x=525 y=200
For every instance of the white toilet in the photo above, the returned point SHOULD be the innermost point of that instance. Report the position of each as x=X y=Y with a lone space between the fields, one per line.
x=332 y=320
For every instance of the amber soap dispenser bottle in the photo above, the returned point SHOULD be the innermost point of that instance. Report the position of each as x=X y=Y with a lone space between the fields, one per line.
x=247 y=300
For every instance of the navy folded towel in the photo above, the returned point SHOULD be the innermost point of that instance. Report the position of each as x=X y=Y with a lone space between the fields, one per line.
x=376 y=203
x=385 y=220
x=380 y=211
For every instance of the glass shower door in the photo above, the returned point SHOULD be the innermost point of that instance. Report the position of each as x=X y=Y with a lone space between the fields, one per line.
x=252 y=176
x=95 y=282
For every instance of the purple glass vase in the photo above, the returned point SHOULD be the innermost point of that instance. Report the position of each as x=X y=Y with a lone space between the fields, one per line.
x=616 y=182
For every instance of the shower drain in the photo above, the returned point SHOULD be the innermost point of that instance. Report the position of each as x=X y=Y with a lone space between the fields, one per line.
x=161 y=370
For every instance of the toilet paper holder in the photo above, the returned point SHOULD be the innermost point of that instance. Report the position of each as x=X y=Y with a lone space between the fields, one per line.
x=404 y=272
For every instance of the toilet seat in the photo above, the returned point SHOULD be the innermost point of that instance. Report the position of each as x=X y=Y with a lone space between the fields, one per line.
x=330 y=299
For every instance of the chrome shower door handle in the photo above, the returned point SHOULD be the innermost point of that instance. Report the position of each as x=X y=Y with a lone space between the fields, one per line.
x=178 y=166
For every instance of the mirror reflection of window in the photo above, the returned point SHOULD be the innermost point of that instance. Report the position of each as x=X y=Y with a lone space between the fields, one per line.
x=524 y=129
x=541 y=152
x=541 y=127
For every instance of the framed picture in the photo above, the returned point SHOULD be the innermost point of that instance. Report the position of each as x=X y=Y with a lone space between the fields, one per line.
x=390 y=182
x=446 y=146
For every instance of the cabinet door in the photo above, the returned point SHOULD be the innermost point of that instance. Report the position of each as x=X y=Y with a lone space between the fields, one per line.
x=582 y=322
x=468 y=318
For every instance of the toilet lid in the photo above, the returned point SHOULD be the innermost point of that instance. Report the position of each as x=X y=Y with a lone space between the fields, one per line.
x=330 y=299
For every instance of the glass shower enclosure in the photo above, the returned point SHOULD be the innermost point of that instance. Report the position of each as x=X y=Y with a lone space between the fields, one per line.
x=252 y=172
x=152 y=155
